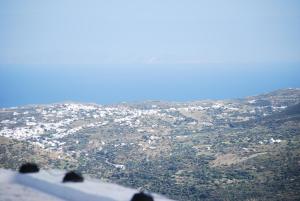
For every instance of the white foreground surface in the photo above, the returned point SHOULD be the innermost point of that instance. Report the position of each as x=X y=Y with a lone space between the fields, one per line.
x=47 y=186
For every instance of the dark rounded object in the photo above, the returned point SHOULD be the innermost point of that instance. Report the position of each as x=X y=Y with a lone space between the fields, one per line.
x=141 y=197
x=73 y=176
x=29 y=168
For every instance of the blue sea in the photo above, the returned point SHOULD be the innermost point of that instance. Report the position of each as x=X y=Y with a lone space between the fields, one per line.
x=109 y=84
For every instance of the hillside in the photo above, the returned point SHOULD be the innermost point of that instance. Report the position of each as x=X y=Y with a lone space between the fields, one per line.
x=242 y=149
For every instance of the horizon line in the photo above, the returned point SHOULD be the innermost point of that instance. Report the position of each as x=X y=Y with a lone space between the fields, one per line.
x=146 y=100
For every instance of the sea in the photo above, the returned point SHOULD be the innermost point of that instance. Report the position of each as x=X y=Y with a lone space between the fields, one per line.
x=118 y=83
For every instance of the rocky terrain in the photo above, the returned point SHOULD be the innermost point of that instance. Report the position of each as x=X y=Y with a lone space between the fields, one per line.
x=242 y=149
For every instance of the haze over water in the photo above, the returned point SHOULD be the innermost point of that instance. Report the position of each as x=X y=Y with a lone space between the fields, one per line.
x=107 y=84
x=114 y=51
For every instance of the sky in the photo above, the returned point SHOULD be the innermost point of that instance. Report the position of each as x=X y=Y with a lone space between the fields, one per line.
x=168 y=48
x=149 y=31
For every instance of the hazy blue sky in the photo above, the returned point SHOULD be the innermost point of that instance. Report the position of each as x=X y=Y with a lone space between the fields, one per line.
x=116 y=50
x=149 y=31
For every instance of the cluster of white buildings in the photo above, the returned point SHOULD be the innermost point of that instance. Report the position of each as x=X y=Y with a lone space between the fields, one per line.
x=46 y=126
